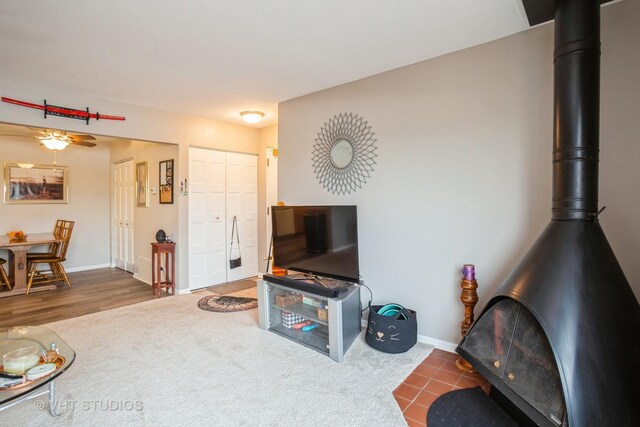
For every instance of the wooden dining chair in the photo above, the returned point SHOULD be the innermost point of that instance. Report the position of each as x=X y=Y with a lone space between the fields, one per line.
x=53 y=247
x=56 y=271
x=4 y=280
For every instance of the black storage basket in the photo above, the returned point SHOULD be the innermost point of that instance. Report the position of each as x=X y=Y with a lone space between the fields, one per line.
x=392 y=334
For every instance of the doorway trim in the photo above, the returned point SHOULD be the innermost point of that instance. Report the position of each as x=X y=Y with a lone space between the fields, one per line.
x=271 y=197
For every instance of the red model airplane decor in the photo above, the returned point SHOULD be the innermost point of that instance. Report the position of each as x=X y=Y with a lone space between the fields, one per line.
x=71 y=113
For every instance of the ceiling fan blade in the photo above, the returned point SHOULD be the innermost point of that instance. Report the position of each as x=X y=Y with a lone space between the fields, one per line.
x=41 y=131
x=82 y=137
x=83 y=143
x=15 y=135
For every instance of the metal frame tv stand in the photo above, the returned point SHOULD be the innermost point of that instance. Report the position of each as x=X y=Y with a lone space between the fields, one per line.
x=331 y=337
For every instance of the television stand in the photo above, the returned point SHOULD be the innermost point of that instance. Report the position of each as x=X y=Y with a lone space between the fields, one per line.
x=284 y=305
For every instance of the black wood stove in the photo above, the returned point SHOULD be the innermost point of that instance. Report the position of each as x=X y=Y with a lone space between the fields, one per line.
x=560 y=339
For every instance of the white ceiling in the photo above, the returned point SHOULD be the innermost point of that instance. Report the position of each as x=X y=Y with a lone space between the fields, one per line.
x=215 y=58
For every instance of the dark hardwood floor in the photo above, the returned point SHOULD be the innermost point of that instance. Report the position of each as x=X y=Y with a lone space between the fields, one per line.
x=231 y=287
x=90 y=292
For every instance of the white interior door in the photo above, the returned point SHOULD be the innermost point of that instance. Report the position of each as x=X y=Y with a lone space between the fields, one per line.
x=207 y=205
x=271 y=195
x=242 y=203
x=123 y=221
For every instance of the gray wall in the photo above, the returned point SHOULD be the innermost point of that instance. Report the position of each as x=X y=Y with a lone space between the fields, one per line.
x=464 y=167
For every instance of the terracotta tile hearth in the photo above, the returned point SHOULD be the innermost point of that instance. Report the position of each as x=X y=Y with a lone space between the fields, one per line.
x=436 y=375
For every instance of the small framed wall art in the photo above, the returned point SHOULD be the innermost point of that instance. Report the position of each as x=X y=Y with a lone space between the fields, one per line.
x=142 y=184
x=166 y=181
x=26 y=183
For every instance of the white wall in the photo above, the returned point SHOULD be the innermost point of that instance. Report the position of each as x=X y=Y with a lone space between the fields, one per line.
x=464 y=167
x=88 y=200
x=148 y=220
x=141 y=123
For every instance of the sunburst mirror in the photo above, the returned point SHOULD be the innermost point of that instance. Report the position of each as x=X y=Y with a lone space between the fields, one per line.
x=344 y=153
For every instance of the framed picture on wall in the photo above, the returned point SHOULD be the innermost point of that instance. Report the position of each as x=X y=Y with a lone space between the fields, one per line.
x=26 y=183
x=142 y=184
x=166 y=181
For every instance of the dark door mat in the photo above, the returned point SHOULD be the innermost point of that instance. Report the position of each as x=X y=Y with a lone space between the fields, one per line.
x=226 y=303
x=231 y=287
x=469 y=407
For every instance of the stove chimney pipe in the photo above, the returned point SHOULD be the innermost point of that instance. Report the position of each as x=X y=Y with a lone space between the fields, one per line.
x=576 y=110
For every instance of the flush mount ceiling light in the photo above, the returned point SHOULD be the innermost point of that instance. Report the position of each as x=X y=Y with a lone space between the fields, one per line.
x=252 y=117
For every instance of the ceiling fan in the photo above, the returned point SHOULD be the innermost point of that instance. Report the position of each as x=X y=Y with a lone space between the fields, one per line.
x=57 y=140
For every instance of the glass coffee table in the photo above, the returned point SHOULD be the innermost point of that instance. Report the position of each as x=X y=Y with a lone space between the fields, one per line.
x=21 y=348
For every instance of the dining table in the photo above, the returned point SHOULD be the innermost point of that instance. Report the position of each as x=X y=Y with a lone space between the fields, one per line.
x=18 y=268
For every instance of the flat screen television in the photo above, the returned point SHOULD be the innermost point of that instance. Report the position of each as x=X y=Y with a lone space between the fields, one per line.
x=318 y=240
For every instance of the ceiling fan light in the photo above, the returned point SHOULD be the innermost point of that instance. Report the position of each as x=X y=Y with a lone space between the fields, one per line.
x=252 y=117
x=54 y=143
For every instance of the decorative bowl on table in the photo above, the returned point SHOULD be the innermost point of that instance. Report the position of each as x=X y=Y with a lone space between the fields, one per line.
x=21 y=360
x=30 y=353
x=17 y=236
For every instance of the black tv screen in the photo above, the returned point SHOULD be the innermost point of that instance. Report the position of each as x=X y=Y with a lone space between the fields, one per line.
x=320 y=240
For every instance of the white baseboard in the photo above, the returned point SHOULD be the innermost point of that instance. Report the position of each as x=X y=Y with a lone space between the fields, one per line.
x=87 y=267
x=442 y=345
x=178 y=291
x=136 y=276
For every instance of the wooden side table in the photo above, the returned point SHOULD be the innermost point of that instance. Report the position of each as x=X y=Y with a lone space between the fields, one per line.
x=157 y=252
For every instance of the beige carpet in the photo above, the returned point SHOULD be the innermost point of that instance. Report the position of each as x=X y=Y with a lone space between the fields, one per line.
x=166 y=362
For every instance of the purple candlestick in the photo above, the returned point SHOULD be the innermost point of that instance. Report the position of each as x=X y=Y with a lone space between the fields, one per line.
x=469 y=272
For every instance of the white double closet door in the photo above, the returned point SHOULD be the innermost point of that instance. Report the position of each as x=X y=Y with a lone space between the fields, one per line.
x=221 y=186
x=122 y=216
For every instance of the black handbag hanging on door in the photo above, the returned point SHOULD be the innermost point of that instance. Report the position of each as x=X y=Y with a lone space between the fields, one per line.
x=235 y=262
